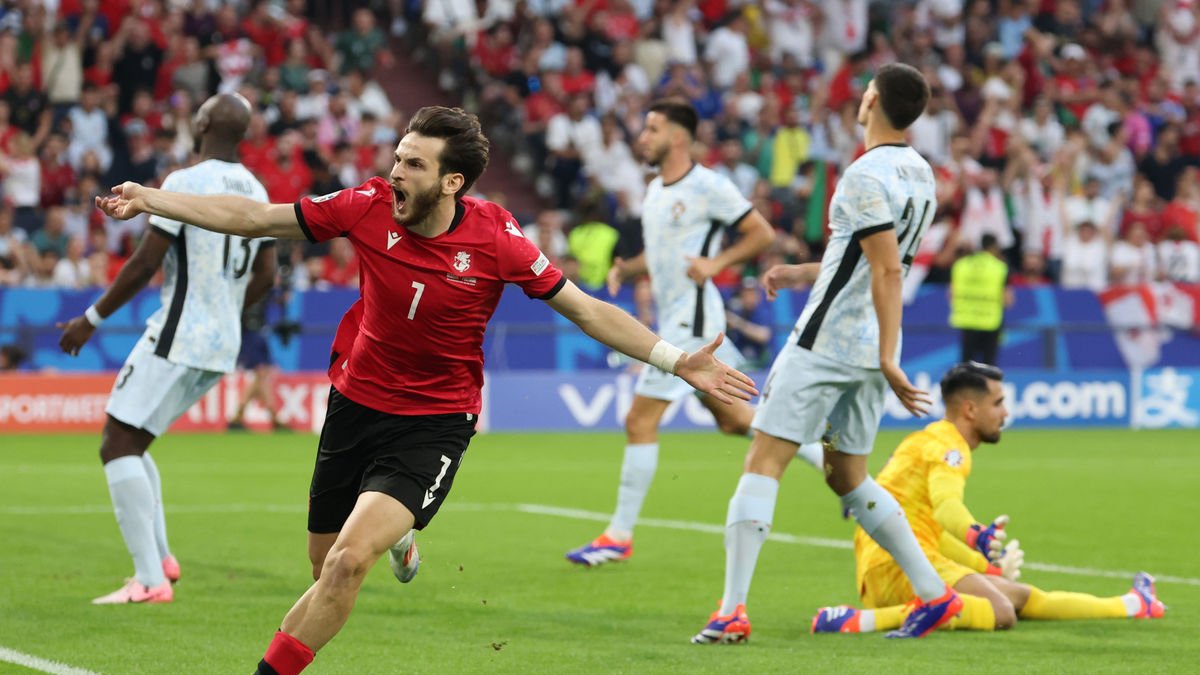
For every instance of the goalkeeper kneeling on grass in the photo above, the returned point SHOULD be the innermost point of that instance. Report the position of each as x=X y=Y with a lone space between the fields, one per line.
x=927 y=474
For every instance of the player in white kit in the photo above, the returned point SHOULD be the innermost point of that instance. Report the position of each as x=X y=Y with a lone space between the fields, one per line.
x=686 y=210
x=189 y=343
x=830 y=380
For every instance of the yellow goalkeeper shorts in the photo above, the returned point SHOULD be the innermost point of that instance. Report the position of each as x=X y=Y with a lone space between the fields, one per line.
x=886 y=586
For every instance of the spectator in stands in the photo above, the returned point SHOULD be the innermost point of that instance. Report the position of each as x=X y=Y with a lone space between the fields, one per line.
x=1179 y=257
x=1092 y=207
x=191 y=73
x=1134 y=259
x=89 y=130
x=731 y=166
x=363 y=46
x=30 y=110
x=11 y=358
x=1163 y=165
x=548 y=233
x=13 y=248
x=73 y=271
x=62 y=67
x=139 y=60
x=22 y=174
x=1085 y=258
x=570 y=137
x=41 y=269
x=1042 y=130
x=1033 y=271
x=984 y=213
x=1145 y=210
x=57 y=178
x=749 y=320
x=365 y=96
x=591 y=243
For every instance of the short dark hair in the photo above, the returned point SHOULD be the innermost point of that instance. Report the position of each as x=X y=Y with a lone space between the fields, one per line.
x=903 y=93
x=969 y=376
x=678 y=111
x=987 y=241
x=466 y=149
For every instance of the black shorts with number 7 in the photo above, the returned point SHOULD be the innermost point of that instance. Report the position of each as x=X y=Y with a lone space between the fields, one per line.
x=412 y=458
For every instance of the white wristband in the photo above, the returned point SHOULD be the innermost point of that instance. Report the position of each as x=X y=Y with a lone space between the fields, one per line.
x=665 y=356
x=93 y=316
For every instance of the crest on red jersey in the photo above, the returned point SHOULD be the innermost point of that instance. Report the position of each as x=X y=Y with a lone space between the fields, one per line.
x=462 y=261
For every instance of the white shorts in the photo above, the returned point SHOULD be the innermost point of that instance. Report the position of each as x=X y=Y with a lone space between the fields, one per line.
x=151 y=392
x=809 y=397
x=661 y=385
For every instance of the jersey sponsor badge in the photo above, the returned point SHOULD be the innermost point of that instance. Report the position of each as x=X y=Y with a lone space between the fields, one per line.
x=540 y=265
x=393 y=239
x=462 y=261
x=954 y=458
x=325 y=198
x=369 y=192
x=511 y=228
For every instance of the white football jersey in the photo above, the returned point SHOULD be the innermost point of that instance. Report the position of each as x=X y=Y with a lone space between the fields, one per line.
x=891 y=187
x=684 y=220
x=204 y=274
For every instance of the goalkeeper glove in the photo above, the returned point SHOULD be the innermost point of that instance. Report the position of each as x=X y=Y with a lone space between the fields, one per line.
x=988 y=540
x=1008 y=565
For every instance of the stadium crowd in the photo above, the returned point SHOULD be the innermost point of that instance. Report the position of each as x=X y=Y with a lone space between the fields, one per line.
x=1069 y=130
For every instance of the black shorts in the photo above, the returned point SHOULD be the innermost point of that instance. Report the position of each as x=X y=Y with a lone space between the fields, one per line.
x=412 y=458
x=255 y=352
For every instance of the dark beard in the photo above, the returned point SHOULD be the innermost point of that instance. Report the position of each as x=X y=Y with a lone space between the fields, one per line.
x=990 y=438
x=419 y=207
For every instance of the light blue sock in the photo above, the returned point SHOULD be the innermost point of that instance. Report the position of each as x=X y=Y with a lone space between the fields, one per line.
x=160 y=521
x=880 y=516
x=133 y=504
x=747 y=524
x=637 y=472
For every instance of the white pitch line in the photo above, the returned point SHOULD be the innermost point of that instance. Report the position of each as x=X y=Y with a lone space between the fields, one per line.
x=577 y=514
x=36 y=663
x=561 y=512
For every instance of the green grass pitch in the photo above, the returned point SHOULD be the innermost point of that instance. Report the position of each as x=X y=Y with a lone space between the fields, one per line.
x=495 y=595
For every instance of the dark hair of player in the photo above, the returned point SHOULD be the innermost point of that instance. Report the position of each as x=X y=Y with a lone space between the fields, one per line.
x=466 y=149
x=969 y=376
x=679 y=112
x=903 y=93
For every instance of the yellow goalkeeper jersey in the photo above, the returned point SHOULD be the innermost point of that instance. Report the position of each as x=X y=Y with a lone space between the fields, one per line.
x=927 y=474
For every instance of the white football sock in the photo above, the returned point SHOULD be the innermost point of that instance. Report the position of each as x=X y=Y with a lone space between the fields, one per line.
x=133 y=504
x=812 y=453
x=160 y=520
x=1133 y=603
x=747 y=524
x=637 y=472
x=880 y=515
x=866 y=621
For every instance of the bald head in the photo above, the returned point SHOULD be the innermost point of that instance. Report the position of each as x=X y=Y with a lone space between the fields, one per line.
x=223 y=119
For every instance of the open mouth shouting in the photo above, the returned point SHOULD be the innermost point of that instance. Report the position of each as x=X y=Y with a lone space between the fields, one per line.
x=399 y=199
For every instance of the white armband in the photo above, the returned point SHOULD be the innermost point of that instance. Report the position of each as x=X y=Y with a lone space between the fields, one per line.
x=665 y=356
x=93 y=316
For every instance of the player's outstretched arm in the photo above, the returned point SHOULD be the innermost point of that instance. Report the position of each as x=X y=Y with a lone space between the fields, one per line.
x=133 y=277
x=227 y=214
x=780 y=277
x=887 y=282
x=614 y=327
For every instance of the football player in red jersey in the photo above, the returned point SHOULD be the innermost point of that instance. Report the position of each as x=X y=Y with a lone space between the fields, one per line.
x=407 y=363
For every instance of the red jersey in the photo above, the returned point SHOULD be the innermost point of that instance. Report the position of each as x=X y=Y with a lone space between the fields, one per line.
x=413 y=343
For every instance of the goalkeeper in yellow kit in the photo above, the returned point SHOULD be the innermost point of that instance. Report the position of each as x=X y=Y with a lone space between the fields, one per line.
x=927 y=474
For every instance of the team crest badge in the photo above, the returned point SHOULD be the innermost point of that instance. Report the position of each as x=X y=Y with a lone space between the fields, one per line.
x=954 y=458
x=462 y=261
